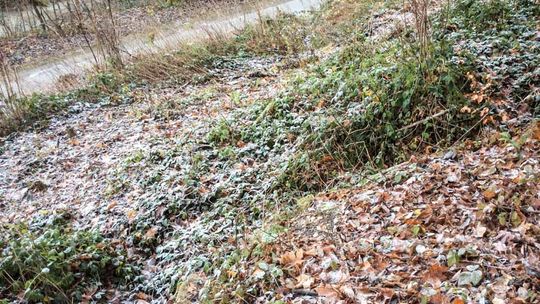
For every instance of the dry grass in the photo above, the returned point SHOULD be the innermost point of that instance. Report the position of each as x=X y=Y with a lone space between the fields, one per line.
x=9 y=88
x=419 y=8
x=10 y=110
x=185 y=63
x=286 y=35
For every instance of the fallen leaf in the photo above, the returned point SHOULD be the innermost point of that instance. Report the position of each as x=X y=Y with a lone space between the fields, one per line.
x=111 y=205
x=536 y=131
x=489 y=194
x=473 y=278
x=304 y=281
x=328 y=292
x=131 y=214
x=480 y=231
x=435 y=275
x=151 y=233
x=439 y=299
x=348 y=292
x=294 y=259
x=258 y=274
x=499 y=301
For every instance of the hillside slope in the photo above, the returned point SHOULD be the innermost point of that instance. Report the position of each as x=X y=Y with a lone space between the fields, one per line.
x=368 y=152
x=453 y=228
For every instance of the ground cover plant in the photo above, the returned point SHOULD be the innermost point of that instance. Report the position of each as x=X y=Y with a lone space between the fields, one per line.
x=370 y=106
x=337 y=155
x=52 y=262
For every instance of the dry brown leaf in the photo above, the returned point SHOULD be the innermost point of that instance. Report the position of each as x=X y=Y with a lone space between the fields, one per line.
x=240 y=144
x=112 y=205
x=435 y=275
x=348 y=292
x=387 y=293
x=489 y=194
x=131 y=214
x=315 y=251
x=439 y=299
x=231 y=273
x=326 y=291
x=536 y=131
x=151 y=233
x=294 y=259
x=535 y=203
x=329 y=249
x=465 y=109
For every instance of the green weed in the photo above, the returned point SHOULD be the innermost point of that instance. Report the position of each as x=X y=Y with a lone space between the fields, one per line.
x=55 y=263
x=221 y=133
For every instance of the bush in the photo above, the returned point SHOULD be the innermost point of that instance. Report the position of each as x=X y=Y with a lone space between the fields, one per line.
x=374 y=105
x=365 y=106
x=55 y=263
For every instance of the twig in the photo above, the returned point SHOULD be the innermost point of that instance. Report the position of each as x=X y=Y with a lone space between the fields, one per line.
x=468 y=131
x=424 y=120
x=304 y=292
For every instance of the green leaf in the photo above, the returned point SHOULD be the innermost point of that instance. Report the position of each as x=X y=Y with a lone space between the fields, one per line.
x=452 y=258
x=515 y=219
x=464 y=279
x=416 y=230
x=502 y=218
x=476 y=277
x=472 y=278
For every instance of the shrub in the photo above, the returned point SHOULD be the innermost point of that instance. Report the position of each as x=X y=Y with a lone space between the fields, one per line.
x=377 y=104
x=55 y=263
x=365 y=106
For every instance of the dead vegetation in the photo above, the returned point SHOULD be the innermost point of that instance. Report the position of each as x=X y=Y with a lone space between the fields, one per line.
x=450 y=228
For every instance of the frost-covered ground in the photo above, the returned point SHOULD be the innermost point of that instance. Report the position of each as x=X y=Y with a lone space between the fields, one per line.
x=122 y=168
x=255 y=183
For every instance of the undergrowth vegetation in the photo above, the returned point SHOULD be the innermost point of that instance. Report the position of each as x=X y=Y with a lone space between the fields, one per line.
x=375 y=103
x=499 y=44
x=104 y=87
x=369 y=106
x=189 y=63
x=50 y=261
x=365 y=97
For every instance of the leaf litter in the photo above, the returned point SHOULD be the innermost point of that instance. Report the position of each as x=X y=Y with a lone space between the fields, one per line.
x=453 y=231
x=454 y=227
